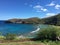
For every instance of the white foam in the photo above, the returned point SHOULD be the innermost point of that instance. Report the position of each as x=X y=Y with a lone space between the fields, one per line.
x=36 y=30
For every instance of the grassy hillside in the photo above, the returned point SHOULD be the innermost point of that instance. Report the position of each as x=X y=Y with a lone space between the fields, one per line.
x=54 y=20
x=34 y=20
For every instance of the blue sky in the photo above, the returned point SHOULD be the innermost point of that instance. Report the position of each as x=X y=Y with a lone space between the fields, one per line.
x=28 y=8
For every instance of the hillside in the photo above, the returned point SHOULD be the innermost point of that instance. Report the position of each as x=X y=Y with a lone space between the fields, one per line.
x=33 y=20
x=54 y=20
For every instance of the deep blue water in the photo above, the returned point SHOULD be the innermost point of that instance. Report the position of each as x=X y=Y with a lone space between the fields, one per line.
x=16 y=28
x=20 y=29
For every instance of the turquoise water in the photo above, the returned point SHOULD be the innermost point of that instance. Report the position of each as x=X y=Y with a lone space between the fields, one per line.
x=16 y=28
x=20 y=29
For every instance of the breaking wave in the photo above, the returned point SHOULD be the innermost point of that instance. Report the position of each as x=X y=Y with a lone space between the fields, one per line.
x=35 y=30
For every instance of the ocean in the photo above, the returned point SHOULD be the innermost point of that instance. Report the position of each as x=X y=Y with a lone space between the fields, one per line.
x=18 y=29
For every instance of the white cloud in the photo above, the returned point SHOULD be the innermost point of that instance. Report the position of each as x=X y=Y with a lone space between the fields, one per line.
x=40 y=8
x=44 y=9
x=51 y=4
x=37 y=7
x=57 y=6
x=50 y=14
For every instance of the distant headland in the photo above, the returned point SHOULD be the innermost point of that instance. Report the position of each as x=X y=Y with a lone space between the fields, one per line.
x=53 y=20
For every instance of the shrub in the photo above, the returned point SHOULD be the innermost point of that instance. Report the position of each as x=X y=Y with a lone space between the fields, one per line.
x=10 y=36
x=47 y=33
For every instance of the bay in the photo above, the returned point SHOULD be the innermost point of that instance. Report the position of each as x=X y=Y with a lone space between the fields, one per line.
x=16 y=28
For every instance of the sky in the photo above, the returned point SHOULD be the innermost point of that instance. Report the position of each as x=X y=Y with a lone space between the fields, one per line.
x=28 y=8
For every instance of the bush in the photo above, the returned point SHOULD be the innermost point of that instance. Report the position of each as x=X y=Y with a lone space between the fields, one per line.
x=48 y=33
x=10 y=36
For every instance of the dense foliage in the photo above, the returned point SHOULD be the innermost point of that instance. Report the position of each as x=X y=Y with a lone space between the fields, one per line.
x=54 y=20
x=10 y=36
x=48 y=33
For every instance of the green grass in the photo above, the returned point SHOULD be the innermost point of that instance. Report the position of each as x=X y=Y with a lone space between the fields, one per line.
x=22 y=43
x=31 y=43
x=2 y=37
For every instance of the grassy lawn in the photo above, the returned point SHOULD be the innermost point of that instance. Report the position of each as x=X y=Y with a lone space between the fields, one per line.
x=23 y=43
x=31 y=43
